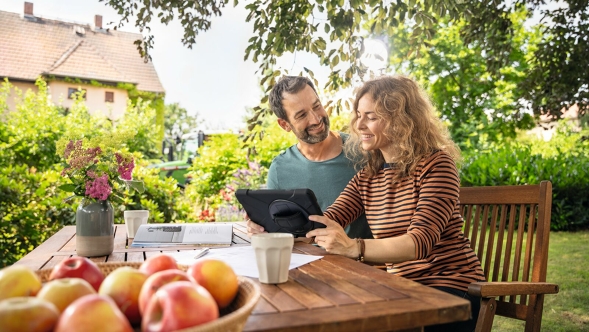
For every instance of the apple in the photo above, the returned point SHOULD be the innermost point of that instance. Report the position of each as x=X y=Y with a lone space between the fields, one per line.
x=62 y=292
x=159 y=262
x=155 y=282
x=78 y=267
x=93 y=313
x=27 y=314
x=217 y=277
x=179 y=305
x=123 y=286
x=18 y=280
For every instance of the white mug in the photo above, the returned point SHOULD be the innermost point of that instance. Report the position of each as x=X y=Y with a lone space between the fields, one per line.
x=133 y=219
x=273 y=252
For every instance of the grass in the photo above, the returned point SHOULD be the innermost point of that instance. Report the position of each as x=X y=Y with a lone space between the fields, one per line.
x=568 y=266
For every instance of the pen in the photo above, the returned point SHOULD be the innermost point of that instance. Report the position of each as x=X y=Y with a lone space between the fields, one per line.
x=203 y=252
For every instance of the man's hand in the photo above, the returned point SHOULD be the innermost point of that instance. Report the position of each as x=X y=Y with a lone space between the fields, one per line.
x=333 y=238
x=253 y=228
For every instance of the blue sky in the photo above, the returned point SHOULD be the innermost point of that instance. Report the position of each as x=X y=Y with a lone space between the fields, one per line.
x=211 y=79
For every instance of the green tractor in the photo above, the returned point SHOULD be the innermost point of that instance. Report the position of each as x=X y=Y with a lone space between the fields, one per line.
x=180 y=154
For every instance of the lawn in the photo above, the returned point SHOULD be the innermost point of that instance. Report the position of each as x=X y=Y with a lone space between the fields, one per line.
x=568 y=266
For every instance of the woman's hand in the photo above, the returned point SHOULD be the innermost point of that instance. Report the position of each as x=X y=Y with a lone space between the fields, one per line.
x=252 y=227
x=333 y=238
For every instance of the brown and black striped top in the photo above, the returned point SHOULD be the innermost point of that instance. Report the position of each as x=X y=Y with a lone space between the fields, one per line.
x=425 y=206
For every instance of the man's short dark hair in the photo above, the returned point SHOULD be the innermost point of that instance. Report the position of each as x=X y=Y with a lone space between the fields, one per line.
x=288 y=84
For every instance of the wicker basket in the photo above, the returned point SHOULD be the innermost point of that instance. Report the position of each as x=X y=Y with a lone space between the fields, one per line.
x=232 y=318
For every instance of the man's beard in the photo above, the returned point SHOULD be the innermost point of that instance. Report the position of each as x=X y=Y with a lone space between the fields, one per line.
x=304 y=135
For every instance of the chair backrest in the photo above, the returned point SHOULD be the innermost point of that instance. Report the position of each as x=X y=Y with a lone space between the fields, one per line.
x=508 y=227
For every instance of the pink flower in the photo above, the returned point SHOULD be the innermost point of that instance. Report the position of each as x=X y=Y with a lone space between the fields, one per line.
x=99 y=188
x=126 y=165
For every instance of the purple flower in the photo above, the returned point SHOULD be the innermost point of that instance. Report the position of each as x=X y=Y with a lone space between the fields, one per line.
x=99 y=188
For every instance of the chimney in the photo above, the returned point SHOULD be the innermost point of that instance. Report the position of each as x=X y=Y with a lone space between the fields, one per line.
x=28 y=8
x=98 y=21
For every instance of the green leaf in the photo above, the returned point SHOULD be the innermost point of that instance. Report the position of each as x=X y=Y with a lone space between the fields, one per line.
x=137 y=185
x=67 y=187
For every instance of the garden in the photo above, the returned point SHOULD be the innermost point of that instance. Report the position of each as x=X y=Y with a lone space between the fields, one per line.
x=484 y=83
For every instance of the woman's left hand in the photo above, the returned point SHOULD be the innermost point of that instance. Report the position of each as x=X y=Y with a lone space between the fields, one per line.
x=333 y=238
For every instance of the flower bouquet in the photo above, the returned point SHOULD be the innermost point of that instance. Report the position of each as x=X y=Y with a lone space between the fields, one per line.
x=98 y=174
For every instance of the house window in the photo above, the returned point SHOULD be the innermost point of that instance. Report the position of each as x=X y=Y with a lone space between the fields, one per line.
x=109 y=97
x=72 y=91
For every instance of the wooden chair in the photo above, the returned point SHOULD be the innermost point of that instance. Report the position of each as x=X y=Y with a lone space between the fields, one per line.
x=508 y=227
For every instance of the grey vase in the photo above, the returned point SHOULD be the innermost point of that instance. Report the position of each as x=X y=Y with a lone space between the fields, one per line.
x=94 y=228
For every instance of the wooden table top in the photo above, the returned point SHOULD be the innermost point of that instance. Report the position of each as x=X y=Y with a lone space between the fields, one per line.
x=331 y=294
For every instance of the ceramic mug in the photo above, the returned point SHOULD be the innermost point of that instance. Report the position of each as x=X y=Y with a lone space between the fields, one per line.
x=133 y=219
x=273 y=252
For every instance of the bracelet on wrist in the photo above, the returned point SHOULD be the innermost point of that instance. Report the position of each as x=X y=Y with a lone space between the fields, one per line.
x=361 y=247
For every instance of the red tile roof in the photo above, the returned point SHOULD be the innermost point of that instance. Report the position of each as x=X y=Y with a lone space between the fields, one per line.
x=33 y=46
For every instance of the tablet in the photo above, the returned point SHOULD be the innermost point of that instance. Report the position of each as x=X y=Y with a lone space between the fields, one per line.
x=281 y=210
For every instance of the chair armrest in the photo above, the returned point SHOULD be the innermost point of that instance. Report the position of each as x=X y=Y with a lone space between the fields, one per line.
x=492 y=289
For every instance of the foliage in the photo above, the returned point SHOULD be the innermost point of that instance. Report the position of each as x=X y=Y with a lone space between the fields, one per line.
x=32 y=208
x=556 y=77
x=532 y=160
x=162 y=197
x=31 y=136
x=479 y=106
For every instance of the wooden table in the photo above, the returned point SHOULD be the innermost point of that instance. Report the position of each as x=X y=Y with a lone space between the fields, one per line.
x=331 y=294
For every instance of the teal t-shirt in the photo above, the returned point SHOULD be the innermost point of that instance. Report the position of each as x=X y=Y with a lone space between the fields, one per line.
x=327 y=179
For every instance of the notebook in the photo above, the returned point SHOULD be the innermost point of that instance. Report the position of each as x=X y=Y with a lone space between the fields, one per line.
x=157 y=235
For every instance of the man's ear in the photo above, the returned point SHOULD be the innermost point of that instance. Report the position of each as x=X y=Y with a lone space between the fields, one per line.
x=284 y=124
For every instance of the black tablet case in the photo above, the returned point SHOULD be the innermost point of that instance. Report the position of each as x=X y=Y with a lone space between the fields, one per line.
x=280 y=210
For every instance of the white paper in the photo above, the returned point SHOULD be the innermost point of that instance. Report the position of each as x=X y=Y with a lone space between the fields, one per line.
x=174 y=234
x=241 y=259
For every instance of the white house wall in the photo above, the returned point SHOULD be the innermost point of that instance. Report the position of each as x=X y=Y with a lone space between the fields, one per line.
x=95 y=98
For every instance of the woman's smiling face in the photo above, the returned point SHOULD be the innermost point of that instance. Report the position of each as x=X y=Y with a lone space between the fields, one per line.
x=371 y=128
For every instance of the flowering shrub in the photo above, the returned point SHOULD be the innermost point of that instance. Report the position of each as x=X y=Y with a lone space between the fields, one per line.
x=96 y=173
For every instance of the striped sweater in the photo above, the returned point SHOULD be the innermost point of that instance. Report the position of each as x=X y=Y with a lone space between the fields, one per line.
x=424 y=206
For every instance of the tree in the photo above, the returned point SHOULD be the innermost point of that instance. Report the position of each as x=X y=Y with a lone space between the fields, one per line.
x=178 y=122
x=556 y=78
x=480 y=107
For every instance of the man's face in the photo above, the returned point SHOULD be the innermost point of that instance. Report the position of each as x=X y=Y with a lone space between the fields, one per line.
x=306 y=117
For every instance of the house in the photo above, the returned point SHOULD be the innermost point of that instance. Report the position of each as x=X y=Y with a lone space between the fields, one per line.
x=103 y=63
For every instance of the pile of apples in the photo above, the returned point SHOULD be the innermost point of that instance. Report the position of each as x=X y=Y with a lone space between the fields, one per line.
x=79 y=297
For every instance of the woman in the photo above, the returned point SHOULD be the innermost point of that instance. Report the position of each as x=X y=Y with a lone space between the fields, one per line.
x=408 y=189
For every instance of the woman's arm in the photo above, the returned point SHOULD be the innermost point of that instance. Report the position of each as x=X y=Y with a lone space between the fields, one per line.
x=334 y=240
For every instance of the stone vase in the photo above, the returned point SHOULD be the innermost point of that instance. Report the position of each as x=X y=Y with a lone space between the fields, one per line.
x=94 y=228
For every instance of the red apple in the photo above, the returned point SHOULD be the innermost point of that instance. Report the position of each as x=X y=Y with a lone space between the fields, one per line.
x=157 y=263
x=179 y=305
x=93 y=313
x=78 y=267
x=62 y=292
x=31 y=314
x=123 y=286
x=18 y=280
x=155 y=282
x=217 y=277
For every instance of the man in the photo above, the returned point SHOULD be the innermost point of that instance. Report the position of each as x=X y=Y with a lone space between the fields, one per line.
x=317 y=161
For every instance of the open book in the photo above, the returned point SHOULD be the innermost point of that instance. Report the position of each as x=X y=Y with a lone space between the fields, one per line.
x=156 y=235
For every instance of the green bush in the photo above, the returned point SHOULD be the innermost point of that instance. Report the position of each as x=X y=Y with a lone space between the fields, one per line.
x=31 y=210
x=564 y=161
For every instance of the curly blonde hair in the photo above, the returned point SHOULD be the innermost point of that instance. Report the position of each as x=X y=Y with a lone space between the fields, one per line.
x=411 y=126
